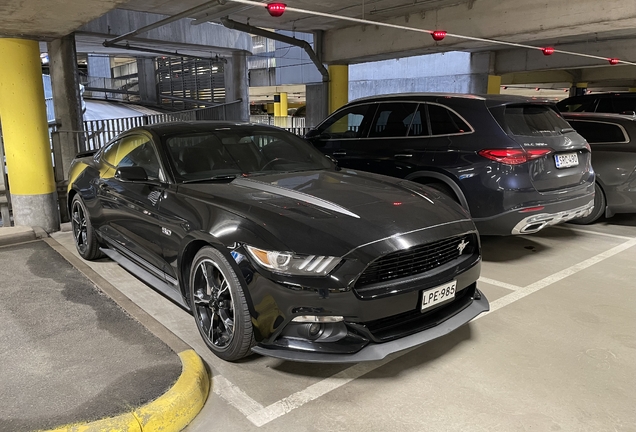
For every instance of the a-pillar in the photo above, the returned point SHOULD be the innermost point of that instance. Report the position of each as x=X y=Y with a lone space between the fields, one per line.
x=237 y=87
x=578 y=89
x=68 y=141
x=26 y=139
x=338 y=86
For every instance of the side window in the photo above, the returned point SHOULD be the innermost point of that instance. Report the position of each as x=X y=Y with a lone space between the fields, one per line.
x=348 y=123
x=596 y=132
x=135 y=150
x=419 y=125
x=605 y=105
x=445 y=122
x=392 y=120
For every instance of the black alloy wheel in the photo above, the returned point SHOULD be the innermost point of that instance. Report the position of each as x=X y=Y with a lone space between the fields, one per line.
x=85 y=239
x=219 y=306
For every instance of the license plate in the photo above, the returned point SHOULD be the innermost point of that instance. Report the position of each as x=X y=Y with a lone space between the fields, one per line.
x=566 y=160
x=437 y=295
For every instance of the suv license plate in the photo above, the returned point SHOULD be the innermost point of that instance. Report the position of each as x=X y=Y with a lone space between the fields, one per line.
x=566 y=160
x=437 y=295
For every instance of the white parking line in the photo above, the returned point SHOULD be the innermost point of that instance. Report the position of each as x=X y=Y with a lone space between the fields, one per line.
x=579 y=230
x=499 y=284
x=235 y=396
x=547 y=281
x=300 y=398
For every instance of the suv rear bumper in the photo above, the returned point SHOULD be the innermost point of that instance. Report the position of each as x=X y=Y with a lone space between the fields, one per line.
x=518 y=222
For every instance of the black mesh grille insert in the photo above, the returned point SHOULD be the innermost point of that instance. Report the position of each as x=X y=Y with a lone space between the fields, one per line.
x=416 y=260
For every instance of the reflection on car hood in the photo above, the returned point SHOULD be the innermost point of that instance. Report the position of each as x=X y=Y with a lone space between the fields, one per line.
x=330 y=210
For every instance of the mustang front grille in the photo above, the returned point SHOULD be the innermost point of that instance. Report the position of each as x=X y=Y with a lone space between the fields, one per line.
x=416 y=260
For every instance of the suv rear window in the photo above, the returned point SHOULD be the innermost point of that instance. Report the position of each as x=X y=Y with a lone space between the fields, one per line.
x=534 y=120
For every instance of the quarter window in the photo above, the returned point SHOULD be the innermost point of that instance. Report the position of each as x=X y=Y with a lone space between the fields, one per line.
x=445 y=122
x=597 y=132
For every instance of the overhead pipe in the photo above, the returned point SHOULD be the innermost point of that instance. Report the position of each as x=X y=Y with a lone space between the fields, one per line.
x=127 y=46
x=233 y=25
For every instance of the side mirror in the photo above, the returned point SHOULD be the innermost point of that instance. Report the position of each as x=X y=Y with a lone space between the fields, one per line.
x=334 y=160
x=131 y=174
x=312 y=133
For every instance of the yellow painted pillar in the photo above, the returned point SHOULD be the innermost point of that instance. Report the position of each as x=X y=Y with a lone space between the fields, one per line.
x=494 y=84
x=25 y=133
x=338 y=86
x=283 y=104
x=277 y=105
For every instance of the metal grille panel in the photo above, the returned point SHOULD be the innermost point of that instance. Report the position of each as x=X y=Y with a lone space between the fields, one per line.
x=416 y=260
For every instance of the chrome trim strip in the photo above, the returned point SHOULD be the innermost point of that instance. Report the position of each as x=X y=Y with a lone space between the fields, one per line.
x=289 y=193
x=409 y=232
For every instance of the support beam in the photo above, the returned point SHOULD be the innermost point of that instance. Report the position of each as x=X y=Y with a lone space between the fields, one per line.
x=237 y=86
x=26 y=140
x=68 y=112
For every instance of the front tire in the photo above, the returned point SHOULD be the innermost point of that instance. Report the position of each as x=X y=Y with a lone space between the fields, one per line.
x=83 y=232
x=597 y=211
x=219 y=306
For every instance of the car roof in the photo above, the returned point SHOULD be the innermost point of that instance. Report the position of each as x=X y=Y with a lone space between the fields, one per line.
x=163 y=129
x=605 y=95
x=490 y=100
x=598 y=116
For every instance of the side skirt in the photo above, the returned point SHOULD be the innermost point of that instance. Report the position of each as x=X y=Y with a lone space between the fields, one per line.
x=169 y=291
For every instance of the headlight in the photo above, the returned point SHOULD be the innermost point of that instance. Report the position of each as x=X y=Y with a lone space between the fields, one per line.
x=288 y=263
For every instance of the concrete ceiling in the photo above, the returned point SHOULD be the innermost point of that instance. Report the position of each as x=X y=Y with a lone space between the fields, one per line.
x=586 y=26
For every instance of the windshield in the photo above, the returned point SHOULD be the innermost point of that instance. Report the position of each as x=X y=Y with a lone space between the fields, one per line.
x=227 y=152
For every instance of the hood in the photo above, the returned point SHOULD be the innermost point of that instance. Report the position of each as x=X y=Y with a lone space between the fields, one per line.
x=330 y=212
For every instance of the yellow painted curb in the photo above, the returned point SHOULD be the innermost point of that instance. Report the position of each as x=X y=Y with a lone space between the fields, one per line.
x=170 y=412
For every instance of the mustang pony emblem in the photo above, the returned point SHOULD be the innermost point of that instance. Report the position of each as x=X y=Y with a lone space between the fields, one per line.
x=462 y=246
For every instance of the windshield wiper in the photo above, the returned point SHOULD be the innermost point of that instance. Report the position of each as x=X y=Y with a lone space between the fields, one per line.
x=214 y=178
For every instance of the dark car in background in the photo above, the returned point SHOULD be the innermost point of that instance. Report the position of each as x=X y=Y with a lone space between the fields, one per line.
x=615 y=102
x=614 y=159
x=272 y=247
x=514 y=163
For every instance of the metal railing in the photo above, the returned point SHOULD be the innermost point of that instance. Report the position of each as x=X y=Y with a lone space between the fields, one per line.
x=98 y=132
x=285 y=122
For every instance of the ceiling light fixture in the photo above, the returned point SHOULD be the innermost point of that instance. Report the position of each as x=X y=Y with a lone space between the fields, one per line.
x=547 y=51
x=438 y=35
x=276 y=9
x=613 y=61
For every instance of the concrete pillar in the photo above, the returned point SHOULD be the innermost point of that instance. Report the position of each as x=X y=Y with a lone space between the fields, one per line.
x=578 y=89
x=26 y=139
x=67 y=142
x=283 y=104
x=338 y=86
x=237 y=87
x=147 y=80
x=317 y=99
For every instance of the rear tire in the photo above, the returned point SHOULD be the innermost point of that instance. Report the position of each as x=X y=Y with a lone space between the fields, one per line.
x=219 y=306
x=83 y=233
x=597 y=211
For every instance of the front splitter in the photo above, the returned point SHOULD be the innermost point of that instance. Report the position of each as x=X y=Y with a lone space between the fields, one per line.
x=375 y=351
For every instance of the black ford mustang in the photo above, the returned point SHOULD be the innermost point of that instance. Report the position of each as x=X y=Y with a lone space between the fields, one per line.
x=272 y=247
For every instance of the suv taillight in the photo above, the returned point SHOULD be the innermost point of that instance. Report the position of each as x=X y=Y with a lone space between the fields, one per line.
x=514 y=156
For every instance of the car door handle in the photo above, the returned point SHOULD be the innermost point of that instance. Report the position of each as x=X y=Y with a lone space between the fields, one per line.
x=403 y=156
x=340 y=153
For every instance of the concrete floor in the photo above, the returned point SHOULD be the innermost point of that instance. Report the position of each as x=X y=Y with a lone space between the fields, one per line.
x=557 y=352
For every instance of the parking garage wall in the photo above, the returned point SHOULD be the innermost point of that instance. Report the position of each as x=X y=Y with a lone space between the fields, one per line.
x=452 y=72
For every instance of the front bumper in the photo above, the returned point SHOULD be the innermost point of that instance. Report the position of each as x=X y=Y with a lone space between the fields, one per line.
x=378 y=351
